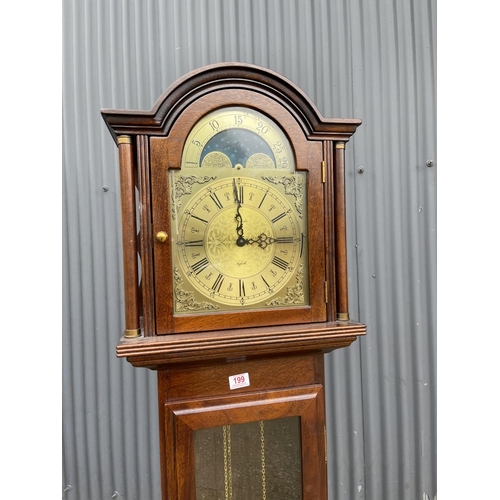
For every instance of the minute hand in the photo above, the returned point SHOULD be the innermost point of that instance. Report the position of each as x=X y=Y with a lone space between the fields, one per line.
x=235 y=193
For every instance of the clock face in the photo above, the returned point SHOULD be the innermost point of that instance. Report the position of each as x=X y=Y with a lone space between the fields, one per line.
x=239 y=220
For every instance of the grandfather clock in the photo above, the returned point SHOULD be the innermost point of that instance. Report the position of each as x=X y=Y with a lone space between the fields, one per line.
x=235 y=278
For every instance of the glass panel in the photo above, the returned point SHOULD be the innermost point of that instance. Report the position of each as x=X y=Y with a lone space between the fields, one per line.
x=239 y=217
x=249 y=461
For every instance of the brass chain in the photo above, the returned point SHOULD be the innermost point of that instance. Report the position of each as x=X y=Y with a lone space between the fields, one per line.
x=228 y=472
x=224 y=441
x=229 y=462
x=263 y=459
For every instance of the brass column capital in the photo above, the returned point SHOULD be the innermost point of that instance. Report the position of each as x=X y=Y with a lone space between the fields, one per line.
x=124 y=139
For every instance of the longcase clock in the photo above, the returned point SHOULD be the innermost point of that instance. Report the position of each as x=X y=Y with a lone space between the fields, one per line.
x=235 y=278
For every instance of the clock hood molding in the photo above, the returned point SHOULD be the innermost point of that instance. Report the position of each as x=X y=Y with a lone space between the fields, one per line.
x=172 y=103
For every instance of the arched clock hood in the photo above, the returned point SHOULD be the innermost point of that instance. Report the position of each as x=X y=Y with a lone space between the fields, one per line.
x=171 y=104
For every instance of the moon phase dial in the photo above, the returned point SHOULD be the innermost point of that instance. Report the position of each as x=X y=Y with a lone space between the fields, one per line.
x=238 y=138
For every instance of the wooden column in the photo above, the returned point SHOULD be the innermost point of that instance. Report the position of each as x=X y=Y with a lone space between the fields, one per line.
x=329 y=180
x=147 y=301
x=129 y=237
x=340 y=234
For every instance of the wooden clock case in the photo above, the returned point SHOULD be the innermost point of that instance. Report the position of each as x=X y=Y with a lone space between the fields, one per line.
x=194 y=358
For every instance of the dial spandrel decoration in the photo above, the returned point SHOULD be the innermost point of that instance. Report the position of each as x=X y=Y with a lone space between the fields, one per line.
x=239 y=223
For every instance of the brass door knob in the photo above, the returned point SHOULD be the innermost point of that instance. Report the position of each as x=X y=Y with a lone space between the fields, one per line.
x=161 y=236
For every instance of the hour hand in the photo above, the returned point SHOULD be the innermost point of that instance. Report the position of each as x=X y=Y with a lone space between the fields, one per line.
x=262 y=241
x=241 y=241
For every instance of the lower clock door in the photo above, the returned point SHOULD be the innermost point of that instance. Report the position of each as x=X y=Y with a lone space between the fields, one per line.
x=269 y=446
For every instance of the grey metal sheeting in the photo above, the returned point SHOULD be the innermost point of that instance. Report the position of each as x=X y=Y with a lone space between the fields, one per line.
x=355 y=59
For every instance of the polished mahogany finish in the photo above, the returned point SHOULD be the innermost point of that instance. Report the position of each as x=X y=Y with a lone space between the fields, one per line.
x=129 y=237
x=194 y=397
x=340 y=233
x=166 y=156
x=243 y=342
x=159 y=135
x=203 y=81
x=281 y=349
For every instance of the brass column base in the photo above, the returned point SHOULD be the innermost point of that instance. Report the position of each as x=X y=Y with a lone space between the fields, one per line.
x=132 y=334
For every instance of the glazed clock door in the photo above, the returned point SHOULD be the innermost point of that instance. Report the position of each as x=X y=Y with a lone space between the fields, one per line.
x=223 y=451
x=239 y=228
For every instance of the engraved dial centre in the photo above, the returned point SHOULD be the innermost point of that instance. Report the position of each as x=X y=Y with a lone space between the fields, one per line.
x=221 y=243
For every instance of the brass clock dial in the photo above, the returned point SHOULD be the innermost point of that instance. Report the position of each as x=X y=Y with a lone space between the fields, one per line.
x=239 y=223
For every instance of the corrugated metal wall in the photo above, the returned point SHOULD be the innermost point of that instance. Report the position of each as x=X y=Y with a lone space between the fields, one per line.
x=374 y=60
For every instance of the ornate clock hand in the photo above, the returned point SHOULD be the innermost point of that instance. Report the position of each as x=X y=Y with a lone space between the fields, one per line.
x=241 y=241
x=262 y=241
x=235 y=193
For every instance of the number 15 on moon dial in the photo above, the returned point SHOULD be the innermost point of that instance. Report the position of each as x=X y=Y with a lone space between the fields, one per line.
x=240 y=243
